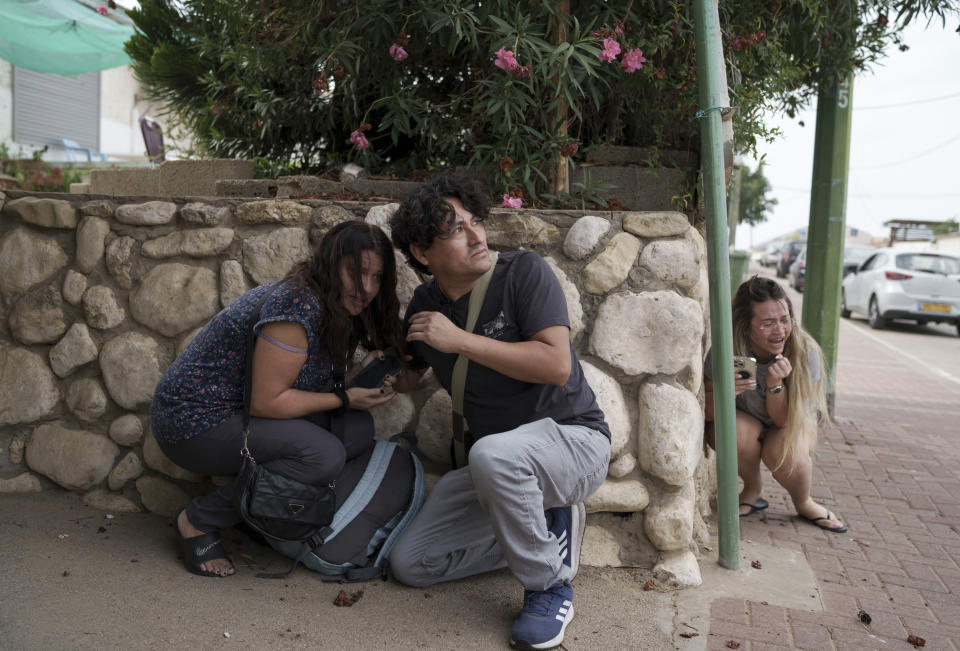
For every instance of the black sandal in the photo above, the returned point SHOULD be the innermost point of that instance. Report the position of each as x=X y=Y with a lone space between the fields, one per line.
x=199 y=549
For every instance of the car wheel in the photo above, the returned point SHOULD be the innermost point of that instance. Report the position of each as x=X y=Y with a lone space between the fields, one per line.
x=877 y=322
x=844 y=310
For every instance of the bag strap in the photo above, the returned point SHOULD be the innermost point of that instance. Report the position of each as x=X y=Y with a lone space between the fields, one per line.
x=458 y=382
x=248 y=375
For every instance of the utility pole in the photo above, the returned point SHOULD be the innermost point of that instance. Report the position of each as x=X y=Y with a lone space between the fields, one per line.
x=826 y=231
x=713 y=98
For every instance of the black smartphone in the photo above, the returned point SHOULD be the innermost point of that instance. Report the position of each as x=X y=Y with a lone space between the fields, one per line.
x=372 y=375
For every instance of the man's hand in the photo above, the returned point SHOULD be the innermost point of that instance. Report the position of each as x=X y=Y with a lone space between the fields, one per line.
x=435 y=330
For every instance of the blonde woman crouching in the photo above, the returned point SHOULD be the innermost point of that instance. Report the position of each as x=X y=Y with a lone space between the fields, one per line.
x=778 y=414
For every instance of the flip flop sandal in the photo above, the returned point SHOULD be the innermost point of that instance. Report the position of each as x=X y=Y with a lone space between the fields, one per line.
x=199 y=549
x=817 y=522
x=759 y=505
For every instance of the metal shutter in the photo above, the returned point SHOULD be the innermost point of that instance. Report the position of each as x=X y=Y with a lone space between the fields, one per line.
x=49 y=107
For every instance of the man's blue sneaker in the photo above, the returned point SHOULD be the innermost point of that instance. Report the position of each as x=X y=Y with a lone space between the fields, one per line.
x=567 y=524
x=545 y=616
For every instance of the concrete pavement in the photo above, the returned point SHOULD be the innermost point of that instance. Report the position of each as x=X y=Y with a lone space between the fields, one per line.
x=70 y=578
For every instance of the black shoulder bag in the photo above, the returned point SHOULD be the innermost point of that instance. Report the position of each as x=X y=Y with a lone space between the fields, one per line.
x=273 y=505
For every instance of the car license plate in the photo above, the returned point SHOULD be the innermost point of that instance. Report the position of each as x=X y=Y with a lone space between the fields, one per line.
x=934 y=307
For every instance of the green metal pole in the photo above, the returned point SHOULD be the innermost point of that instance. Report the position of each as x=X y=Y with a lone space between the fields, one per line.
x=827 y=228
x=710 y=68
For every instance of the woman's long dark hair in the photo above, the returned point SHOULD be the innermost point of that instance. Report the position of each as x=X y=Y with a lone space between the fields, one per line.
x=378 y=325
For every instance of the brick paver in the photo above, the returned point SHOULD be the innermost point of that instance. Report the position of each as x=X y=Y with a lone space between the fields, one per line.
x=890 y=468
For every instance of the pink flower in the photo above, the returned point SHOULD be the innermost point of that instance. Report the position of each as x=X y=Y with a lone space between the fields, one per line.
x=358 y=139
x=523 y=72
x=398 y=53
x=216 y=111
x=505 y=59
x=102 y=10
x=610 y=50
x=632 y=61
x=512 y=202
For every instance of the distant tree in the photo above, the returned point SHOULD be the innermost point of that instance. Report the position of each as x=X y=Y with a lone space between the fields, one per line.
x=947 y=227
x=755 y=204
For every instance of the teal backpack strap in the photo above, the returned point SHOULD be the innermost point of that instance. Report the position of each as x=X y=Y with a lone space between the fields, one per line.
x=366 y=488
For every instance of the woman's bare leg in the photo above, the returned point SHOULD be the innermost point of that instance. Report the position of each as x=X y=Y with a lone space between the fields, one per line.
x=749 y=451
x=796 y=478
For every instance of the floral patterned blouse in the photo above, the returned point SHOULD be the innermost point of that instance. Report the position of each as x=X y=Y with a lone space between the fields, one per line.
x=204 y=385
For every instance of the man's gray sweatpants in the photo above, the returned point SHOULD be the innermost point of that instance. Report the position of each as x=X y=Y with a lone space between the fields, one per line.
x=491 y=513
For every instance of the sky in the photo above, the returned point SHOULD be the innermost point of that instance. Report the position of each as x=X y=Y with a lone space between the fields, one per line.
x=904 y=159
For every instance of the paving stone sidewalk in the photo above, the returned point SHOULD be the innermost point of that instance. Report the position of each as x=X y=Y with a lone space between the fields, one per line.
x=890 y=467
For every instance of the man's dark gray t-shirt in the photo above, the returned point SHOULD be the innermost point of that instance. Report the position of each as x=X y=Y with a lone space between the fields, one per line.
x=523 y=298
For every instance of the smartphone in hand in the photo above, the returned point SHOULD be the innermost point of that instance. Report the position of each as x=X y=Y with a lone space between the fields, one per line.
x=745 y=368
x=372 y=375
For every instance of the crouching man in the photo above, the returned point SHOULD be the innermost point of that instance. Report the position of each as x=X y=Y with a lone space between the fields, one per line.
x=540 y=443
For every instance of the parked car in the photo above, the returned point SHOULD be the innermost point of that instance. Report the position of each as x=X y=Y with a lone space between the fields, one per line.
x=896 y=284
x=771 y=254
x=796 y=274
x=788 y=255
x=853 y=257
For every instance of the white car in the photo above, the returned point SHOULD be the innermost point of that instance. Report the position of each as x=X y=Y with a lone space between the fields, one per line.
x=897 y=284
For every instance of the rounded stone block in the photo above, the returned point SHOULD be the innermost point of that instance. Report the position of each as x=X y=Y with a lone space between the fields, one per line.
x=269 y=257
x=656 y=224
x=509 y=231
x=74 y=285
x=613 y=265
x=131 y=367
x=572 y=294
x=28 y=389
x=50 y=213
x=622 y=466
x=25 y=482
x=232 y=282
x=174 y=298
x=90 y=242
x=433 y=429
x=611 y=401
x=161 y=497
x=73 y=351
x=128 y=468
x=599 y=548
x=126 y=430
x=668 y=522
x=119 y=258
x=86 y=399
x=393 y=416
x=37 y=316
x=619 y=495
x=196 y=243
x=151 y=213
x=27 y=259
x=101 y=308
x=204 y=214
x=678 y=569
x=75 y=459
x=664 y=330
x=109 y=502
x=672 y=261
x=380 y=216
x=584 y=236
x=272 y=211
x=670 y=439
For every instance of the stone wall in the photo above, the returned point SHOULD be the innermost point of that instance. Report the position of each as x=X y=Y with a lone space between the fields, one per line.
x=100 y=294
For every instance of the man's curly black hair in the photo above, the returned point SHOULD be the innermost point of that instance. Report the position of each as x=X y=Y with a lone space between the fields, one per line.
x=425 y=215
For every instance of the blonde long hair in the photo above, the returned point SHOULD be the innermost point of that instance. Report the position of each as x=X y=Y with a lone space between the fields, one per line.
x=806 y=398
